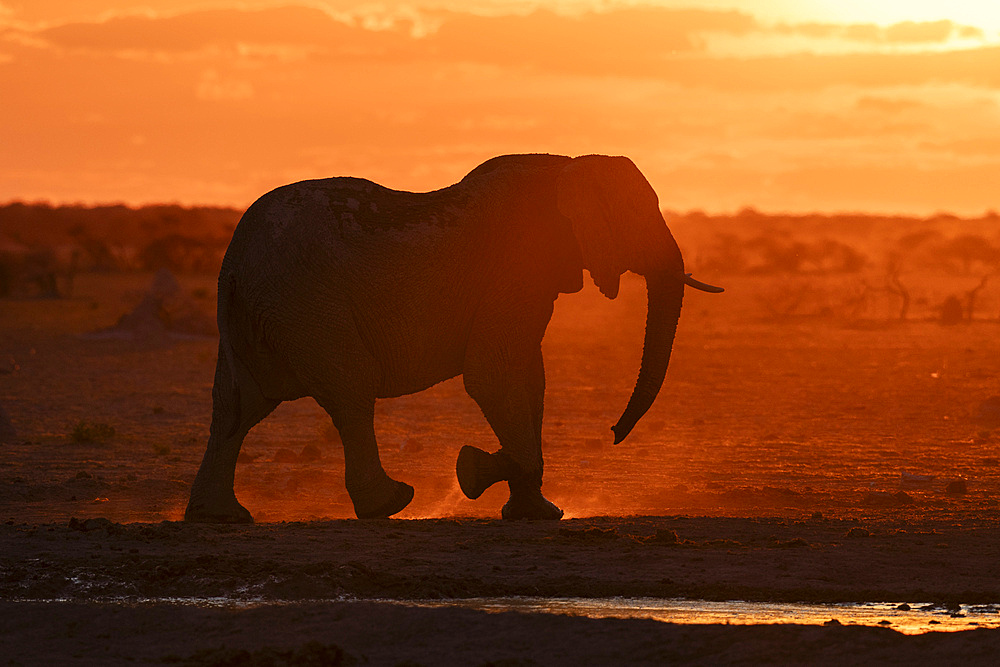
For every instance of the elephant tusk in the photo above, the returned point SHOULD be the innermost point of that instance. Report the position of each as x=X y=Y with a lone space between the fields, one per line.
x=697 y=284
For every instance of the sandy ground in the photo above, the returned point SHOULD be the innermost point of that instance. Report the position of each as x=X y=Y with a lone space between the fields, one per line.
x=805 y=459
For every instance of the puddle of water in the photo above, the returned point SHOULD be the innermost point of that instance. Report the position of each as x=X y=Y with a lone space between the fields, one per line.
x=919 y=618
x=911 y=619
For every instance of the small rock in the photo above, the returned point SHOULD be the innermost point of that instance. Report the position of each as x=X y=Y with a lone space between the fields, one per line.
x=664 y=536
x=833 y=621
x=904 y=607
x=956 y=487
x=859 y=532
x=903 y=498
x=86 y=525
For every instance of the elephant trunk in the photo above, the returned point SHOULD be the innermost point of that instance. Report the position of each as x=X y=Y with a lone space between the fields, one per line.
x=664 y=293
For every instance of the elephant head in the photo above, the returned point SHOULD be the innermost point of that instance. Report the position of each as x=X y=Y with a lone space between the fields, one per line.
x=617 y=222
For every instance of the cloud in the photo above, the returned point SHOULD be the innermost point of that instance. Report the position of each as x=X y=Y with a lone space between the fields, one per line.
x=230 y=103
x=657 y=43
x=195 y=31
x=903 y=33
x=911 y=32
x=623 y=34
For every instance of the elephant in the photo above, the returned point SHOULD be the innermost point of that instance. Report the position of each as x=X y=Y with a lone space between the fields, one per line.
x=348 y=292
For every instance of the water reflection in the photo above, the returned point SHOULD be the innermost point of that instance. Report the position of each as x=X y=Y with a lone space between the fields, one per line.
x=907 y=618
x=912 y=618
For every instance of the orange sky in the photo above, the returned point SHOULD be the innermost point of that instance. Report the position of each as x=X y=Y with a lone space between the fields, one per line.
x=783 y=105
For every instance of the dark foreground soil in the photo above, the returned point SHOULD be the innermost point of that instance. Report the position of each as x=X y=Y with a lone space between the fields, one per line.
x=97 y=589
x=367 y=633
x=785 y=460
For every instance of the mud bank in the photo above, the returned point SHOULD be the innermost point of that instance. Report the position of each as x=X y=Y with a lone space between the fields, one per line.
x=764 y=559
x=378 y=634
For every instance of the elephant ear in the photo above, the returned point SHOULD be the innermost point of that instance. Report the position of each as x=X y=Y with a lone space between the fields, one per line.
x=603 y=197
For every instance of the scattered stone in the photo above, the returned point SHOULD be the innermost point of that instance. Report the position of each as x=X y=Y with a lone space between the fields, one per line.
x=956 y=487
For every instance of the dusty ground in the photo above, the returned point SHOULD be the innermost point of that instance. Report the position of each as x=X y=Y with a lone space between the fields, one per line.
x=777 y=464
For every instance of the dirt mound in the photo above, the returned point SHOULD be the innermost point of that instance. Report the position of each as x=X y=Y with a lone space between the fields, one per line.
x=165 y=310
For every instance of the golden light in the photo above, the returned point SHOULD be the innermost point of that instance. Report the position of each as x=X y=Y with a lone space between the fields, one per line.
x=975 y=13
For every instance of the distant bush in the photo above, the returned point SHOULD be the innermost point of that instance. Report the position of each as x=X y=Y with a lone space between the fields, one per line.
x=181 y=253
x=86 y=431
x=780 y=253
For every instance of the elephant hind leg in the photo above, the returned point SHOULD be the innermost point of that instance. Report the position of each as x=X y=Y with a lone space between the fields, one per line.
x=237 y=405
x=375 y=495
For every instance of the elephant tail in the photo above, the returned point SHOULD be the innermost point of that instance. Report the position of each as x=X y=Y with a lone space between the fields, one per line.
x=227 y=357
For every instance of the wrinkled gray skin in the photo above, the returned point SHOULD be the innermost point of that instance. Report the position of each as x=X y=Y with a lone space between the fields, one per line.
x=346 y=291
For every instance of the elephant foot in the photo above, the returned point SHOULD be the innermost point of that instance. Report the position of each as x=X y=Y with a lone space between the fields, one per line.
x=529 y=504
x=382 y=500
x=478 y=470
x=227 y=510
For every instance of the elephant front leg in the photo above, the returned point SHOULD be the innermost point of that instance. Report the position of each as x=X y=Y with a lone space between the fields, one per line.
x=511 y=397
